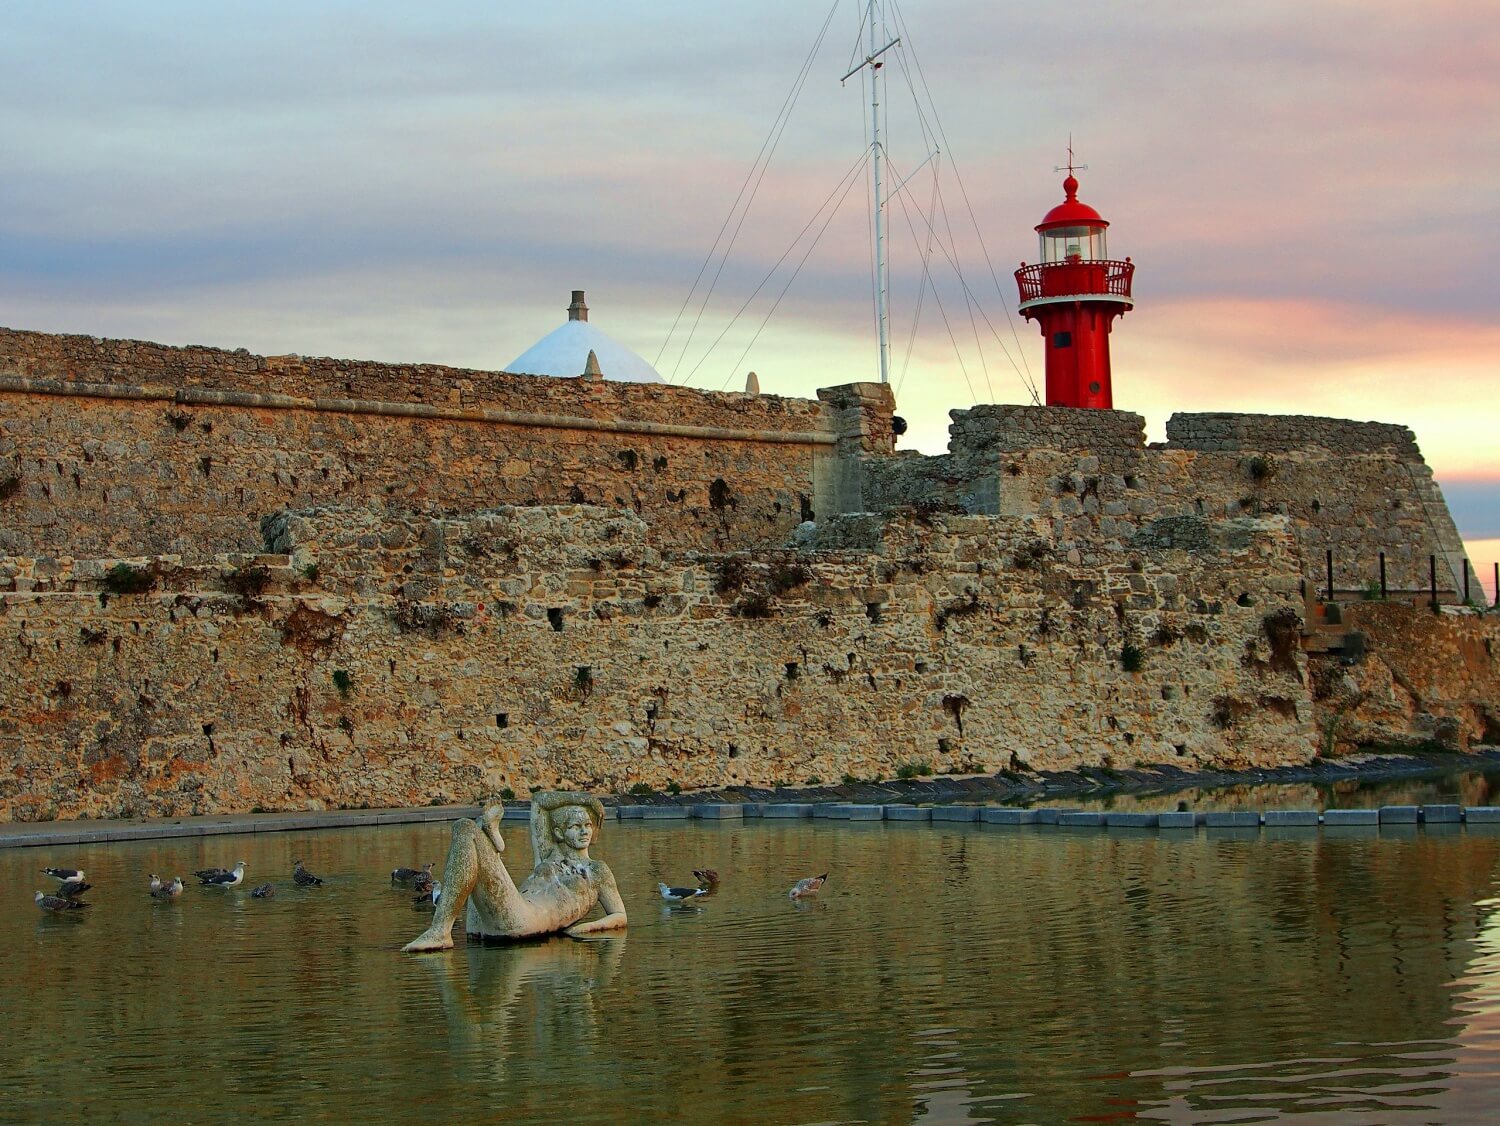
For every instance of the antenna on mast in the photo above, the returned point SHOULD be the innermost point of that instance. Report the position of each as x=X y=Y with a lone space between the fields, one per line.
x=1070 y=167
x=882 y=274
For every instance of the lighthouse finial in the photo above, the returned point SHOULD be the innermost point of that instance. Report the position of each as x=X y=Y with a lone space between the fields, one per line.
x=1070 y=185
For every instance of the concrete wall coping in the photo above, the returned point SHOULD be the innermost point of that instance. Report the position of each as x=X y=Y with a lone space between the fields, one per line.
x=190 y=396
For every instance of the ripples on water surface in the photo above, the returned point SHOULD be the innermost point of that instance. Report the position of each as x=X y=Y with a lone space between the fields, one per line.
x=944 y=975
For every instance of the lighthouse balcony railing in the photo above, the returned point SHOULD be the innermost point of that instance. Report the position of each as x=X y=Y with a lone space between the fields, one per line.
x=1097 y=278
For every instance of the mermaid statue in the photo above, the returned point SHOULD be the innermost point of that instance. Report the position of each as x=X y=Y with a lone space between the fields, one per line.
x=564 y=886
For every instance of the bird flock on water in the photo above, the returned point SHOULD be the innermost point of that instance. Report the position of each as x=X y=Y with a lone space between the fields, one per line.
x=428 y=891
x=71 y=885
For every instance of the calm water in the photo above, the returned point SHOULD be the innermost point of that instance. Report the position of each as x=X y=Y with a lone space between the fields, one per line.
x=945 y=975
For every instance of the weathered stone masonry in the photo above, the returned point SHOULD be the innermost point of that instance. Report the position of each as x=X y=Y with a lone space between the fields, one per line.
x=376 y=584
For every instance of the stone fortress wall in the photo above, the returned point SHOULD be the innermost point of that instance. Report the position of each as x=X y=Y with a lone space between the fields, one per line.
x=1358 y=489
x=119 y=447
x=356 y=604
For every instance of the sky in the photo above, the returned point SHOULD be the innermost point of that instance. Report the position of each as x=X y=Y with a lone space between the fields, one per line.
x=1306 y=190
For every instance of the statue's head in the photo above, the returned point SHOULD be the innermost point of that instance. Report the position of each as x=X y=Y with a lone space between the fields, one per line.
x=573 y=825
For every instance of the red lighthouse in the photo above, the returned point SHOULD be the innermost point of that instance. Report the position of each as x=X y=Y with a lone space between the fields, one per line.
x=1075 y=293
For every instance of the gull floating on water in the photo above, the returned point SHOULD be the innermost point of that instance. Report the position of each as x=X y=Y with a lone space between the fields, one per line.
x=429 y=899
x=218 y=877
x=680 y=896
x=58 y=902
x=303 y=878
x=807 y=886
x=407 y=875
x=160 y=890
x=72 y=889
x=64 y=875
x=265 y=891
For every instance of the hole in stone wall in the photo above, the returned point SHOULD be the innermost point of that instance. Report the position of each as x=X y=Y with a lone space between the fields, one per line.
x=208 y=729
x=205 y=464
x=944 y=746
x=793 y=670
x=659 y=464
x=872 y=611
x=1244 y=599
x=807 y=508
x=734 y=751
x=575 y=495
x=555 y=618
x=628 y=458
x=502 y=720
x=719 y=496
x=920 y=666
x=1180 y=748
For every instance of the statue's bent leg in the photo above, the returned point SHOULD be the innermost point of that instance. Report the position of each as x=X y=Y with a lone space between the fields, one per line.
x=459 y=877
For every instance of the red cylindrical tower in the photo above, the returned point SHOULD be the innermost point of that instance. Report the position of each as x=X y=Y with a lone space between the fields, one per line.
x=1074 y=294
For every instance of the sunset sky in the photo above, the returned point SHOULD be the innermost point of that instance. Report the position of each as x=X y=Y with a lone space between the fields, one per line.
x=1307 y=191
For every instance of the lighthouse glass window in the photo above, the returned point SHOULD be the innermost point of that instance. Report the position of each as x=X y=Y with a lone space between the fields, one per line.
x=1085 y=244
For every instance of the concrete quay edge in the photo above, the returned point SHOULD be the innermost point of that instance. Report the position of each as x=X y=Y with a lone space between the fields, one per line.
x=26 y=834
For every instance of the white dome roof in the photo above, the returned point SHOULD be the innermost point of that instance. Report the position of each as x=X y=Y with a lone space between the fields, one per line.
x=565 y=350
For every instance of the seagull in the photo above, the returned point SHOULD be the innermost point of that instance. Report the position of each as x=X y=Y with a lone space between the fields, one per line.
x=807 y=886
x=303 y=878
x=217 y=877
x=155 y=883
x=72 y=889
x=707 y=879
x=64 y=875
x=166 y=891
x=679 y=896
x=265 y=891
x=58 y=903
x=408 y=875
x=423 y=883
x=428 y=899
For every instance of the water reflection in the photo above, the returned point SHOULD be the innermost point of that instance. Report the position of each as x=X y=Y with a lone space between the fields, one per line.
x=945 y=974
x=1437 y=788
x=552 y=990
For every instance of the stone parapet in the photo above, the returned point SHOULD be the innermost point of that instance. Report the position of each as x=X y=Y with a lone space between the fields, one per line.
x=1228 y=432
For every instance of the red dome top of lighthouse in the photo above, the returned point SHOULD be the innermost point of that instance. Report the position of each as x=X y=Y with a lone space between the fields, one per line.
x=1071 y=213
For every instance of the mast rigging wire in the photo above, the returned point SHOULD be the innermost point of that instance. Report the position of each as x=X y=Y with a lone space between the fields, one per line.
x=773 y=141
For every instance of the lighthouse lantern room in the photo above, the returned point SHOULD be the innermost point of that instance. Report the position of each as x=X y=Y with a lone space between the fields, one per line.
x=1074 y=294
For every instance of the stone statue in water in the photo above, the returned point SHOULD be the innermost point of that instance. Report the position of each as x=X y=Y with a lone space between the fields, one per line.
x=564 y=885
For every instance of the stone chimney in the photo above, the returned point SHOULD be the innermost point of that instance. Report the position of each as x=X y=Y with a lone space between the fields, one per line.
x=578 y=311
x=591 y=366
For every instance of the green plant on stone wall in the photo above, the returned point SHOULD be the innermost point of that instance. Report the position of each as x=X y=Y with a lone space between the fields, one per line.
x=642 y=789
x=507 y=794
x=343 y=682
x=126 y=578
x=1131 y=657
x=917 y=768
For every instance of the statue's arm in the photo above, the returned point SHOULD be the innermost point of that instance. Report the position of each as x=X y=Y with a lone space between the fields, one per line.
x=614 y=908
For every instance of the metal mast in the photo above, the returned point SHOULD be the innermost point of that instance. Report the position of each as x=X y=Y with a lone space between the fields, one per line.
x=882 y=286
